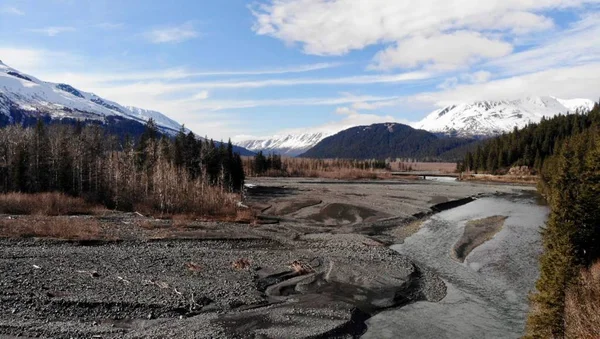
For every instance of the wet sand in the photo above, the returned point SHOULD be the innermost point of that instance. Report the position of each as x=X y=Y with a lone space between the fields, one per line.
x=476 y=233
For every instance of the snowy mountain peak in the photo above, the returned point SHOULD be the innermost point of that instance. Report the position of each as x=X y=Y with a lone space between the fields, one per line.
x=29 y=94
x=287 y=144
x=486 y=118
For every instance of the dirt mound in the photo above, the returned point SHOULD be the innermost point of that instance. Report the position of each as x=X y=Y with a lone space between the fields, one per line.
x=281 y=208
x=344 y=214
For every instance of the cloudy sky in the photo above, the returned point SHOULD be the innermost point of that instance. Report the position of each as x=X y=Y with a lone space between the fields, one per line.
x=254 y=68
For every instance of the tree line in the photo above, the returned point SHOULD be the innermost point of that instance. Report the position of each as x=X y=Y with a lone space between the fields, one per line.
x=183 y=174
x=565 y=152
x=274 y=165
x=530 y=146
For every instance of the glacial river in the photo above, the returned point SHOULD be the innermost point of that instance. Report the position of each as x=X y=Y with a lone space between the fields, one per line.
x=487 y=294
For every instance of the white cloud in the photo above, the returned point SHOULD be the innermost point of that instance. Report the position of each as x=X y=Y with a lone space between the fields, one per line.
x=575 y=46
x=442 y=52
x=11 y=10
x=335 y=27
x=202 y=95
x=163 y=88
x=477 y=77
x=176 y=74
x=517 y=22
x=567 y=82
x=32 y=60
x=173 y=34
x=53 y=30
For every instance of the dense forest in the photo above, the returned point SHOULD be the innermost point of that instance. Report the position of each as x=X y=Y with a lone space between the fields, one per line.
x=565 y=152
x=183 y=174
x=383 y=141
x=530 y=146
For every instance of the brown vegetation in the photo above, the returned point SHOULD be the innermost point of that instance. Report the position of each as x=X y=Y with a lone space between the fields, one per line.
x=511 y=179
x=323 y=168
x=441 y=167
x=45 y=204
x=154 y=174
x=582 y=306
x=56 y=227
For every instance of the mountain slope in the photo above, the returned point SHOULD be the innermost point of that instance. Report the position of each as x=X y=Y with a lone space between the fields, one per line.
x=289 y=145
x=380 y=141
x=25 y=97
x=34 y=96
x=487 y=118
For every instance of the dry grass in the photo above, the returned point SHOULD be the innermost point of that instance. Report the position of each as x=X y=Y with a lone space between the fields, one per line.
x=45 y=204
x=323 y=168
x=582 y=306
x=246 y=216
x=516 y=179
x=56 y=227
x=344 y=174
x=441 y=167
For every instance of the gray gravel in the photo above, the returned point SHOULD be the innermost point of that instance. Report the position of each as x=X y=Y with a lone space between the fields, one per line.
x=189 y=289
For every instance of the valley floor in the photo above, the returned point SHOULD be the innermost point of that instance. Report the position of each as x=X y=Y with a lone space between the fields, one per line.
x=318 y=265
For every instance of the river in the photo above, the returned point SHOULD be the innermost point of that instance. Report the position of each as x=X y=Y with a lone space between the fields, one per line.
x=487 y=294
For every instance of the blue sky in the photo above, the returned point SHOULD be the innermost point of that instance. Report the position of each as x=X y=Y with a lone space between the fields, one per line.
x=239 y=69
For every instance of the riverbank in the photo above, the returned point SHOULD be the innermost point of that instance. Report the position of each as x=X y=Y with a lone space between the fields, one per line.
x=320 y=267
x=487 y=293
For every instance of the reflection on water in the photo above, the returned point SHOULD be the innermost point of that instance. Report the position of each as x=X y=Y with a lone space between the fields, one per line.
x=487 y=294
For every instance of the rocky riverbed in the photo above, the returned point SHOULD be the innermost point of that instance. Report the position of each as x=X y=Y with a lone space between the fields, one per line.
x=317 y=266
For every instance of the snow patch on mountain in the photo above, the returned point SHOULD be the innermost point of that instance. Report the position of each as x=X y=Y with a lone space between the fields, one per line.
x=487 y=118
x=288 y=145
x=29 y=93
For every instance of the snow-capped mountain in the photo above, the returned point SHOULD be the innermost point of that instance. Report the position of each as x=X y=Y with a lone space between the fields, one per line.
x=486 y=118
x=34 y=96
x=288 y=145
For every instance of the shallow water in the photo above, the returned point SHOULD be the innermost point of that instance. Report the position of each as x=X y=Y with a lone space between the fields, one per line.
x=487 y=294
x=442 y=179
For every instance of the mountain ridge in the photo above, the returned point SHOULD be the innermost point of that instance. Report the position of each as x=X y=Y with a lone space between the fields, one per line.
x=60 y=100
x=385 y=140
x=23 y=96
x=475 y=119
x=494 y=117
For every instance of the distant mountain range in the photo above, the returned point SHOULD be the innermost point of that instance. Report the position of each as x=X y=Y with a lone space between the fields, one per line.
x=389 y=140
x=288 y=145
x=477 y=119
x=488 y=118
x=25 y=98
